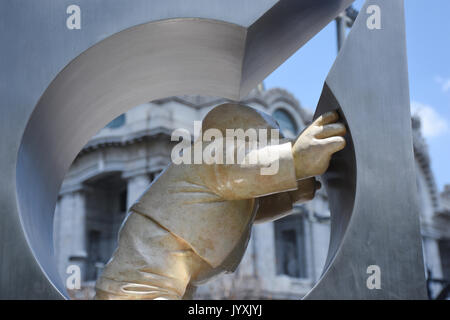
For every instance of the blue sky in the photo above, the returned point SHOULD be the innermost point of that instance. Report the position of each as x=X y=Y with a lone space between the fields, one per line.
x=428 y=40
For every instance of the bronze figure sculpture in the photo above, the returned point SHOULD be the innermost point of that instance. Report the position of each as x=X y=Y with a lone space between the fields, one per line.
x=194 y=221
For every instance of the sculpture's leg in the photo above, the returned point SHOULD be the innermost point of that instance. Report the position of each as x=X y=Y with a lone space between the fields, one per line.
x=150 y=263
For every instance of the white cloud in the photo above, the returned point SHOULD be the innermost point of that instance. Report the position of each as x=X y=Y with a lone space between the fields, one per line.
x=444 y=83
x=433 y=124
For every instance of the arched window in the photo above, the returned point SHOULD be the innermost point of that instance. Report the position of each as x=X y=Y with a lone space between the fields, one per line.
x=290 y=248
x=286 y=122
x=117 y=122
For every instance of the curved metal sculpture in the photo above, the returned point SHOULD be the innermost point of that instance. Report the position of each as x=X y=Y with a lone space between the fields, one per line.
x=371 y=184
x=200 y=55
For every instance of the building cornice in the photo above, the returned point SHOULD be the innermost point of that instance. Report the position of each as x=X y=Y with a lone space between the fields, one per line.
x=422 y=157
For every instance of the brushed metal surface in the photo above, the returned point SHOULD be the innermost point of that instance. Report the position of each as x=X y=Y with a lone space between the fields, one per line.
x=124 y=54
x=58 y=87
x=39 y=48
x=281 y=31
x=372 y=184
x=125 y=70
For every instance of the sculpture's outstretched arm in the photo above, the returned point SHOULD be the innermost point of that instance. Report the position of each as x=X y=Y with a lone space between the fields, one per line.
x=245 y=181
x=282 y=164
x=312 y=152
x=277 y=206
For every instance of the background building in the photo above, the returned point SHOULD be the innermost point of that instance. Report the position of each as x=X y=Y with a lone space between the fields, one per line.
x=283 y=259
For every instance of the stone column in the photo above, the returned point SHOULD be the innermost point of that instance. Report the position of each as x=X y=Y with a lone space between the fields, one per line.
x=135 y=187
x=263 y=240
x=72 y=231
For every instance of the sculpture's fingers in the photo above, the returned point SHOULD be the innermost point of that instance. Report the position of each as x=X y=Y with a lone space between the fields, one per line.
x=330 y=130
x=326 y=118
x=334 y=144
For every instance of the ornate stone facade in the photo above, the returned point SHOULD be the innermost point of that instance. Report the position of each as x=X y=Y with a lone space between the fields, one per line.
x=283 y=259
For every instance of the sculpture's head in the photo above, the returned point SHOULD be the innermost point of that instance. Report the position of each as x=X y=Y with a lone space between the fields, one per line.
x=239 y=116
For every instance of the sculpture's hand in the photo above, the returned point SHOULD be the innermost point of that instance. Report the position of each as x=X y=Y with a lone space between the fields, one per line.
x=316 y=144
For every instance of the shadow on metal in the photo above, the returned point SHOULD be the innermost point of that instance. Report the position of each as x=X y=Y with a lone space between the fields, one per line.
x=339 y=180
